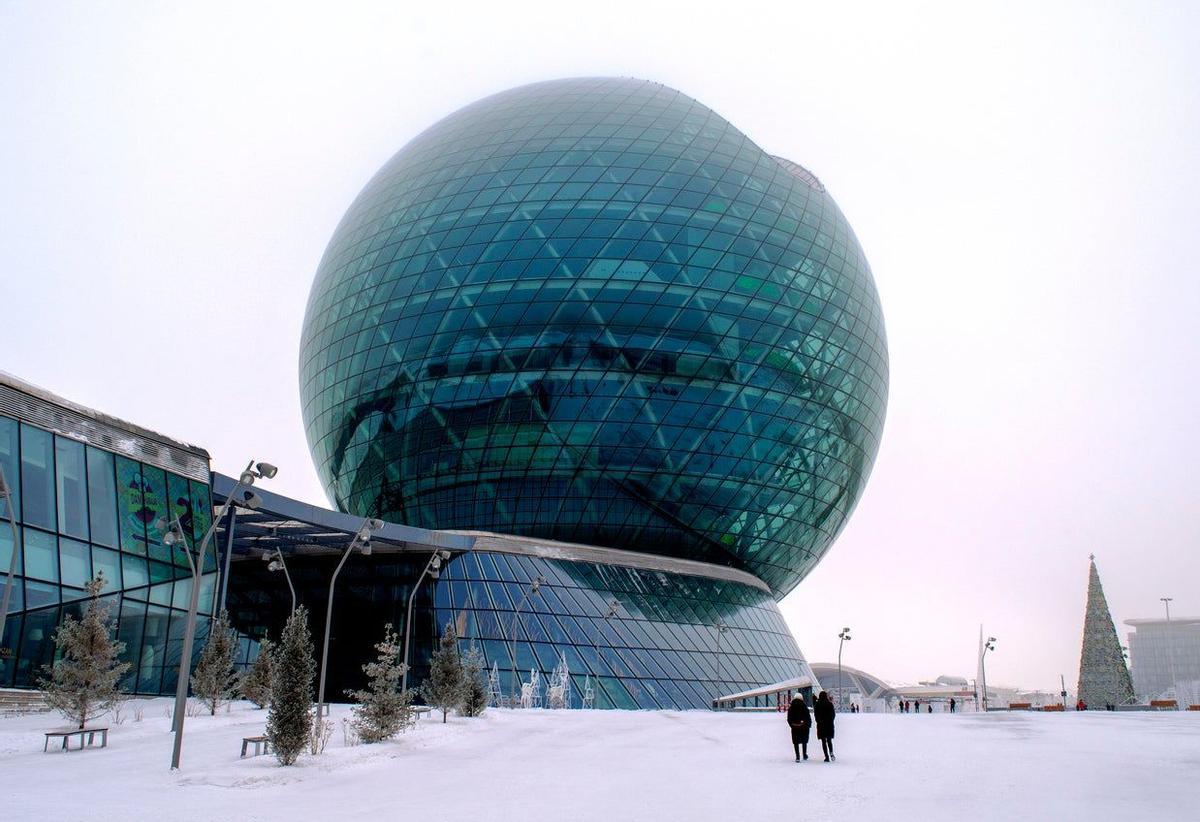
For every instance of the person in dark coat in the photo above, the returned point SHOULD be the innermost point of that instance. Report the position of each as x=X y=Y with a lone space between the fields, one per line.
x=800 y=721
x=824 y=712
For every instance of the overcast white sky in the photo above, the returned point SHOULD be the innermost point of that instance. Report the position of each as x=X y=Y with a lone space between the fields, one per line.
x=1025 y=182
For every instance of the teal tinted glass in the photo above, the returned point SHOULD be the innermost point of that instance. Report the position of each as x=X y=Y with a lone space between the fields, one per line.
x=9 y=450
x=595 y=311
x=102 y=497
x=107 y=563
x=75 y=559
x=6 y=548
x=71 y=487
x=41 y=555
x=37 y=477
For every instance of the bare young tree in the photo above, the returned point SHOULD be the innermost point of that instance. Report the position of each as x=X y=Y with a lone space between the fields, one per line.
x=256 y=684
x=475 y=685
x=383 y=710
x=444 y=687
x=82 y=684
x=214 y=680
x=290 y=721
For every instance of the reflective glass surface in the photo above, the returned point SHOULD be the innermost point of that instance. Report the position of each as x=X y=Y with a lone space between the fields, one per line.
x=638 y=638
x=593 y=310
x=68 y=506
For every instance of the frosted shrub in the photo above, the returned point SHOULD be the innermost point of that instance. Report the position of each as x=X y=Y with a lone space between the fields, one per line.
x=475 y=686
x=444 y=688
x=383 y=710
x=256 y=684
x=214 y=679
x=82 y=685
x=289 y=720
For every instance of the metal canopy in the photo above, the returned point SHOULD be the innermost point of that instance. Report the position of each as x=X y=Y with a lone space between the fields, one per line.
x=295 y=527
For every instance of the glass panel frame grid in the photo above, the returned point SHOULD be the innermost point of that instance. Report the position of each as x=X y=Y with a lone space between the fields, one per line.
x=592 y=310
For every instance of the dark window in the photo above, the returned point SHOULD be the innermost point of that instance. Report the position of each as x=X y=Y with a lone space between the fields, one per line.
x=72 y=487
x=37 y=477
x=102 y=497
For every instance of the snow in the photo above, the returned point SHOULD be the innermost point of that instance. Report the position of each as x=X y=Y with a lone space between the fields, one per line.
x=616 y=765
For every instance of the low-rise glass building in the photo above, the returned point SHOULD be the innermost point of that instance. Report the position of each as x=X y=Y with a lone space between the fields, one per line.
x=86 y=490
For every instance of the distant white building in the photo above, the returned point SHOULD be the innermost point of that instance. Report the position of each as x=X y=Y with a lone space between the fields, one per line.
x=1154 y=645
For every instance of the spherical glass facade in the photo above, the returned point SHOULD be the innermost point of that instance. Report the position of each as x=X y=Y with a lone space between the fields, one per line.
x=592 y=310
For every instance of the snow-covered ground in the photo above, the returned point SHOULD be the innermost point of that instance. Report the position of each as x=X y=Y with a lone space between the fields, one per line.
x=618 y=765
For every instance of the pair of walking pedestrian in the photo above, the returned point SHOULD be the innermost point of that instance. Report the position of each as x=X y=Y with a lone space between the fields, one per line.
x=801 y=722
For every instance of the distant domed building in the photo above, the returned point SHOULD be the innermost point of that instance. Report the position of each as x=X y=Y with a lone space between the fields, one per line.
x=593 y=312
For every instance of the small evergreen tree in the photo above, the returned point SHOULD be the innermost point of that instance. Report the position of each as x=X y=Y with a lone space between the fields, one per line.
x=444 y=688
x=475 y=685
x=215 y=680
x=383 y=709
x=289 y=721
x=82 y=684
x=256 y=684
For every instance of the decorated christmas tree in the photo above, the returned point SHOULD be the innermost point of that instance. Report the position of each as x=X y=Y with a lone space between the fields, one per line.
x=1103 y=678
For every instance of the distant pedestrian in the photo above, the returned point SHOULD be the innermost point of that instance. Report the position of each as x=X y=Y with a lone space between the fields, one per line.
x=917 y=705
x=952 y=704
x=824 y=712
x=929 y=707
x=906 y=706
x=1081 y=705
x=800 y=721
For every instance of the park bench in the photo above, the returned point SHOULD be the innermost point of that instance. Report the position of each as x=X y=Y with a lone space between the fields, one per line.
x=65 y=736
x=1193 y=707
x=1020 y=706
x=261 y=745
x=418 y=710
x=1163 y=704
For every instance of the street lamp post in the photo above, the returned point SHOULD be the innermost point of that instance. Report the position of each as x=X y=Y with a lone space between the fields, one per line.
x=433 y=570
x=16 y=547
x=535 y=586
x=362 y=541
x=172 y=535
x=989 y=646
x=843 y=636
x=1166 y=601
x=276 y=563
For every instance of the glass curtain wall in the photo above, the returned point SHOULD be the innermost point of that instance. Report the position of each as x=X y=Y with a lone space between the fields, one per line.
x=81 y=512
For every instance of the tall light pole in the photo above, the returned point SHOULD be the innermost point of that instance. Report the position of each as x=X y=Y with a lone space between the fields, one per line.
x=276 y=563
x=720 y=627
x=433 y=569
x=16 y=549
x=173 y=535
x=989 y=646
x=843 y=637
x=535 y=586
x=1166 y=601
x=361 y=541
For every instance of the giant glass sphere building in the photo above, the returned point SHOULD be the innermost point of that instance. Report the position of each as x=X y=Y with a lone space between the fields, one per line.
x=592 y=317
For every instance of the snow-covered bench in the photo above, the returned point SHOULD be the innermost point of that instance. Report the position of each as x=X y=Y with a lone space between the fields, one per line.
x=420 y=710
x=261 y=745
x=90 y=733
